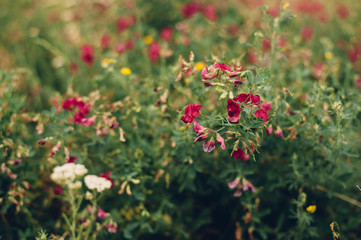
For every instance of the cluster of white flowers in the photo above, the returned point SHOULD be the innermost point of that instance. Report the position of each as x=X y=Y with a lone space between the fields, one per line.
x=68 y=173
x=99 y=184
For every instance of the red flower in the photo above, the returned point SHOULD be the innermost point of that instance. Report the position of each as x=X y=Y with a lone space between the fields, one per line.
x=189 y=9
x=261 y=114
x=87 y=122
x=124 y=23
x=240 y=155
x=353 y=55
x=154 y=52
x=78 y=117
x=58 y=190
x=104 y=42
x=191 y=112
x=234 y=111
x=120 y=48
x=198 y=128
x=87 y=54
x=252 y=58
x=70 y=103
x=269 y=130
x=279 y=133
x=306 y=33
x=243 y=98
x=342 y=11
x=166 y=34
x=73 y=67
x=274 y=11
x=107 y=176
x=266 y=43
x=72 y=159
x=209 y=11
x=223 y=67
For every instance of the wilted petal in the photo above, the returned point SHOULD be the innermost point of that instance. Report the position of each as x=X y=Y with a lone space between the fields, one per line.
x=220 y=140
x=209 y=146
x=234 y=183
x=197 y=127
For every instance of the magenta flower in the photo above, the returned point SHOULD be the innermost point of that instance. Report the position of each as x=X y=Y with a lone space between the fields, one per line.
x=209 y=11
x=261 y=114
x=58 y=190
x=154 y=52
x=166 y=34
x=209 y=146
x=269 y=130
x=233 y=184
x=112 y=228
x=266 y=106
x=87 y=122
x=234 y=111
x=120 y=48
x=223 y=67
x=189 y=9
x=87 y=54
x=240 y=155
x=279 y=133
x=101 y=213
x=306 y=33
x=208 y=74
x=220 y=140
x=246 y=185
x=191 y=112
x=104 y=42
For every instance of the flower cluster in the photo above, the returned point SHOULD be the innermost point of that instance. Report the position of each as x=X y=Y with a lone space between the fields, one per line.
x=67 y=174
x=83 y=111
x=221 y=69
x=204 y=133
x=241 y=186
x=191 y=112
x=99 y=184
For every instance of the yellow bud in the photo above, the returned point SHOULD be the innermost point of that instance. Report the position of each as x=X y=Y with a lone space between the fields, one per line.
x=200 y=65
x=107 y=61
x=125 y=71
x=285 y=5
x=311 y=208
x=328 y=55
x=148 y=39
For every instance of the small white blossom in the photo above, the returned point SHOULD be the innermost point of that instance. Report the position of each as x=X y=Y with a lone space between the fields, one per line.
x=67 y=174
x=99 y=184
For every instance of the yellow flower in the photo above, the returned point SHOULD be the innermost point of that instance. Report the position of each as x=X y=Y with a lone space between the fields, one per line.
x=188 y=80
x=148 y=39
x=107 y=61
x=311 y=209
x=328 y=55
x=200 y=65
x=285 y=5
x=125 y=71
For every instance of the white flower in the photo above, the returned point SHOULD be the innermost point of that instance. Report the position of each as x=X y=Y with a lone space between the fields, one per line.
x=67 y=174
x=99 y=184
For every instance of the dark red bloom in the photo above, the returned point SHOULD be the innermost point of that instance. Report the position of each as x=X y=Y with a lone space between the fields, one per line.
x=191 y=112
x=306 y=33
x=261 y=114
x=353 y=55
x=78 y=117
x=107 y=176
x=189 y=9
x=73 y=67
x=243 y=98
x=342 y=11
x=266 y=106
x=166 y=34
x=240 y=155
x=87 y=54
x=58 y=190
x=70 y=103
x=209 y=11
x=104 y=42
x=154 y=52
x=72 y=159
x=234 y=111
x=124 y=23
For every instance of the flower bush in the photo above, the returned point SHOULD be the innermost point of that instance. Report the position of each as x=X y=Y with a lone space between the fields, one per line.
x=179 y=120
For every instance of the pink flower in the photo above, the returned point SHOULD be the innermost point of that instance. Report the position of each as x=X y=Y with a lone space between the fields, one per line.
x=58 y=190
x=70 y=103
x=279 y=133
x=246 y=185
x=209 y=11
x=191 y=112
x=266 y=43
x=261 y=114
x=208 y=73
x=104 y=42
x=274 y=11
x=166 y=34
x=154 y=52
x=87 y=54
x=223 y=67
x=233 y=110
x=306 y=33
x=101 y=213
x=240 y=155
x=209 y=146
x=234 y=183
x=189 y=9
x=252 y=58
x=239 y=192
x=112 y=228
x=87 y=122
x=269 y=130
x=120 y=48
x=73 y=67
x=198 y=128
x=124 y=23
x=358 y=83
x=266 y=106
x=242 y=98
x=107 y=176
x=220 y=140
